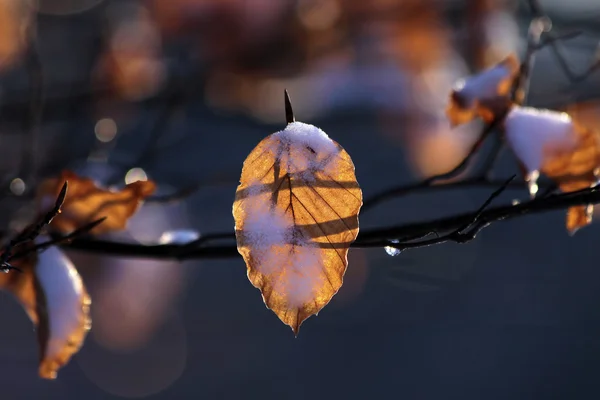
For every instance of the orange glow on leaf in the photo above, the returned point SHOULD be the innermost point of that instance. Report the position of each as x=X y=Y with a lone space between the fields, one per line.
x=296 y=214
x=86 y=202
x=53 y=295
x=484 y=95
x=552 y=143
x=576 y=169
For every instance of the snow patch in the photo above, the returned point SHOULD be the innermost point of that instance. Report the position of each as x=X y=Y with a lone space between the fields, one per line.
x=533 y=133
x=63 y=290
x=309 y=150
x=482 y=86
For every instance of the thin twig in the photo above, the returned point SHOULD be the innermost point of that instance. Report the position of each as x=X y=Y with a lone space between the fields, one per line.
x=462 y=234
x=30 y=157
x=555 y=46
x=175 y=196
x=33 y=231
x=430 y=182
x=537 y=27
x=58 y=240
x=476 y=182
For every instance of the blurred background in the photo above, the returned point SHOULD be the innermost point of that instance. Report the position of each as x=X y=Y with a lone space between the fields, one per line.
x=180 y=91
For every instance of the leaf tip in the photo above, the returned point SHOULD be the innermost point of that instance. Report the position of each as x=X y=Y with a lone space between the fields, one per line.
x=289 y=112
x=578 y=217
x=296 y=330
x=62 y=195
x=48 y=371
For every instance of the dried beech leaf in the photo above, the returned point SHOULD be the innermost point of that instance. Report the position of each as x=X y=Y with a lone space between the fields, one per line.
x=551 y=143
x=87 y=202
x=484 y=95
x=55 y=299
x=578 y=217
x=296 y=214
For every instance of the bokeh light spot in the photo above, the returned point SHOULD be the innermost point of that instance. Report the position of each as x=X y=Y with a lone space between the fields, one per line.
x=139 y=372
x=17 y=186
x=106 y=130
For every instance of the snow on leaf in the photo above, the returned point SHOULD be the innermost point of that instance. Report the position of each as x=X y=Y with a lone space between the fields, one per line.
x=484 y=95
x=550 y=142
x=87 y=202
x=296 y=214
x=52 y=293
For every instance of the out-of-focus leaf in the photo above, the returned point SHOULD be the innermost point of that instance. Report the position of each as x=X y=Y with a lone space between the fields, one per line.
x=52 y=293
x=15 y=17
x=87 y=202
x=131 y=64
x=552 y=143
x=296 y=214
x=484 y=95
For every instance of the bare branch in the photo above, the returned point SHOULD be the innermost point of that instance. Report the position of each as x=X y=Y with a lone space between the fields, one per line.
x=58 y=240
x=33 y=63
x=33 y=231
x=404 y=234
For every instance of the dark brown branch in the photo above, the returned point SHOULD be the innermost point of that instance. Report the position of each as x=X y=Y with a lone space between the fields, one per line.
x=58 y=240
x=464 y=233
x=33 y=231
x=175 y=196
x=381 y=237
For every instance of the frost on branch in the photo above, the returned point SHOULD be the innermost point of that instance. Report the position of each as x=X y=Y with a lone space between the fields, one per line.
x=484 y=95
x=88 y=202
x=551 y=143
x=296 y=214
x=52 y=293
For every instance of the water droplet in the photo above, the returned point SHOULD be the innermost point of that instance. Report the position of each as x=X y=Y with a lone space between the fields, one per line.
x=392 y=251
x=531 y=179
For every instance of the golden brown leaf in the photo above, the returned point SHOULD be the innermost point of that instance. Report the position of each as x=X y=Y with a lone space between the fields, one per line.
x=575 y=170
x=578 y=217
x=55 y=299
x=87 y=202
x=296 y=214
x=551 y=143
x=484 y=95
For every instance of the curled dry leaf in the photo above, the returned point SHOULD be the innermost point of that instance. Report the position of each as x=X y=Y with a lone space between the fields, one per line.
x=87 y=202
x=551 y=143
x=485 y=95
x=52 y=293
x=296 y=214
